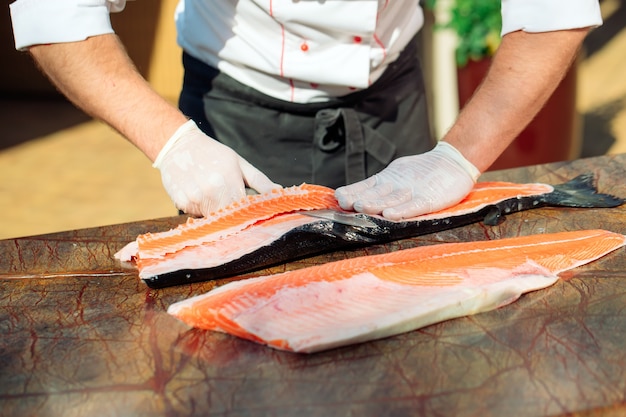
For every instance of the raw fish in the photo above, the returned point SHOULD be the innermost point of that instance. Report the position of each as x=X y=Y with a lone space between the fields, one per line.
x=265 y=230
x=370 y=297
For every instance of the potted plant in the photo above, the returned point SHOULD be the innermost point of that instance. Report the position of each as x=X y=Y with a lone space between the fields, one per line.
x=554 y=134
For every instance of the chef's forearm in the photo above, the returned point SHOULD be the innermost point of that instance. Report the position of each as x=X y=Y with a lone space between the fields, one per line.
x=97 y=75
x=525 y=71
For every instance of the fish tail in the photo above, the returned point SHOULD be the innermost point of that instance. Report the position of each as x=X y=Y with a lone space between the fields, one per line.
x=580 y=192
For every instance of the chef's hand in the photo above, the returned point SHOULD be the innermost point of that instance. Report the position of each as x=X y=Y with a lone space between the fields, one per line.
x=413 y=185
x=202 y=175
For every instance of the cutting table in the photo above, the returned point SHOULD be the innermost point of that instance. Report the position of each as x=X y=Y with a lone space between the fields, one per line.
x=83 y=335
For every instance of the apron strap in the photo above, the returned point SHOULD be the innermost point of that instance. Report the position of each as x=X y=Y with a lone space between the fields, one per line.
x=336 y=127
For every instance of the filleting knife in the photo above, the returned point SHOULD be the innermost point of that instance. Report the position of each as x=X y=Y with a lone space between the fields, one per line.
x=350 y=219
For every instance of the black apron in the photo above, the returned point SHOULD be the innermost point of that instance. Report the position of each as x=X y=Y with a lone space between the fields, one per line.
x=334 y=143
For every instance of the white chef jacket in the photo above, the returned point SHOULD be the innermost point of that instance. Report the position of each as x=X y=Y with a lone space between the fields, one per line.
x=295 y=50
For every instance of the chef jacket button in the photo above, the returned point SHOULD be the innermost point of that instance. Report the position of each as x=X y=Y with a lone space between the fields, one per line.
x=304 y=47
x=357 y=39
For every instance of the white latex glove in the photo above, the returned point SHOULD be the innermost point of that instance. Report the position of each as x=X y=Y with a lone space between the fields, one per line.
x=413 y=185
x=202 y=175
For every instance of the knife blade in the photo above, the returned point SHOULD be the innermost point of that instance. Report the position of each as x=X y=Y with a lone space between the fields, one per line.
x=347 y=218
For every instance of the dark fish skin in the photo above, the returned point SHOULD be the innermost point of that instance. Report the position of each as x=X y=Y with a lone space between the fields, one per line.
x=327 y=236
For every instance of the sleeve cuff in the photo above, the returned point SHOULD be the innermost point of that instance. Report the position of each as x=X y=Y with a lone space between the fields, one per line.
x=547 y=16
x=44 y=21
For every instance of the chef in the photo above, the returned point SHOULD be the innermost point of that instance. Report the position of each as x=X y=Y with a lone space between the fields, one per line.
x=279 y=92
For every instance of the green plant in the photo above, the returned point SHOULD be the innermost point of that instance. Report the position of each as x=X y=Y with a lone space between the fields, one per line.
x=477 y=24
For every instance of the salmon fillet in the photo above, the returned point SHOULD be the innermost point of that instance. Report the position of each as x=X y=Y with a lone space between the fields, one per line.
x=234 y=218
x=215 y=253
x=234 y=226
x=265 y=230
x=371 y=297
x=488 y=193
